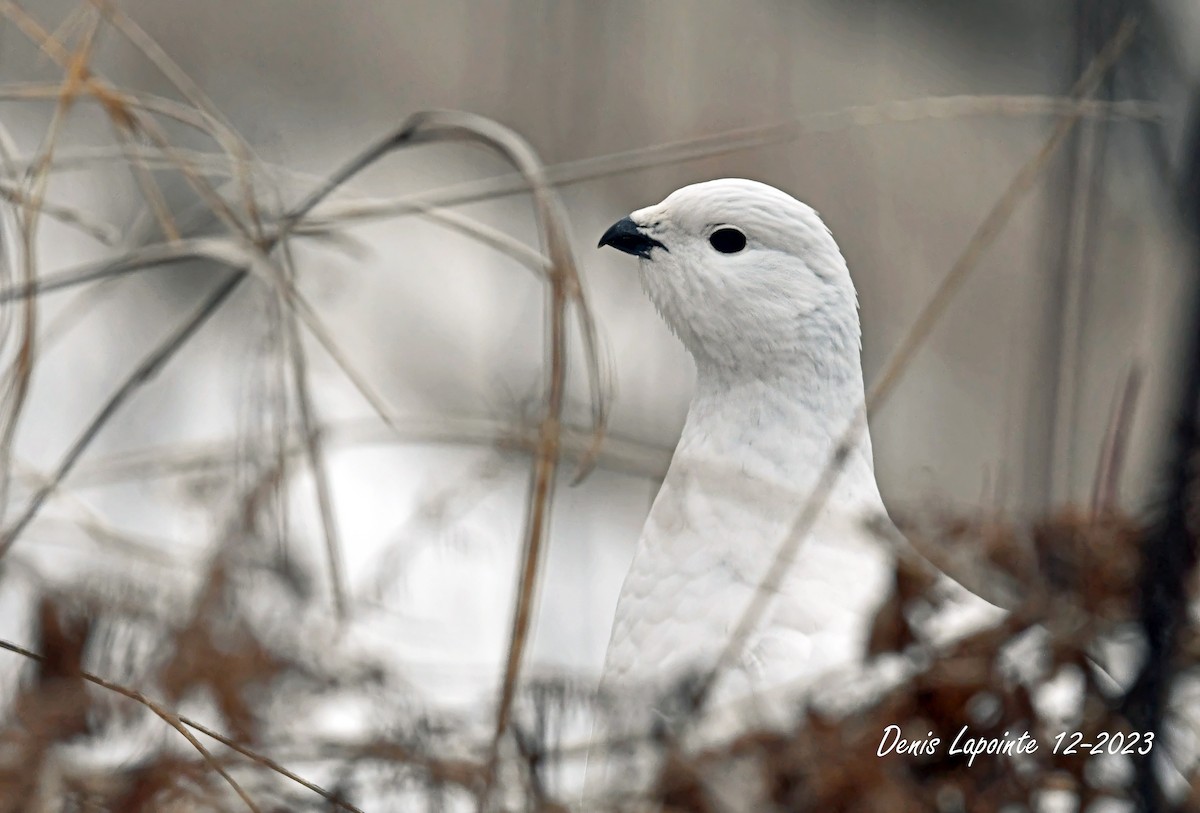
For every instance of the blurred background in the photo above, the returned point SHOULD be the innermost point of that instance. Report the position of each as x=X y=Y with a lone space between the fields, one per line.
x=1005 y=411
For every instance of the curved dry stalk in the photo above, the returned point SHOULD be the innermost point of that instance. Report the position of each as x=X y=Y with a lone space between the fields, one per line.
x=991 y=226
x=564 y=286
x=557 y=242
x=182 y=724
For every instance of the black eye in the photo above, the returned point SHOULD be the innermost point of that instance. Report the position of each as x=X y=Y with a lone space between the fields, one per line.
x=727 y=240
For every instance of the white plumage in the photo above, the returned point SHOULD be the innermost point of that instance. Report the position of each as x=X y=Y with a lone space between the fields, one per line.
x=772 y=324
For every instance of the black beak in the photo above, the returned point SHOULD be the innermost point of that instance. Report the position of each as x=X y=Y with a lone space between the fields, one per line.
x=627 y=236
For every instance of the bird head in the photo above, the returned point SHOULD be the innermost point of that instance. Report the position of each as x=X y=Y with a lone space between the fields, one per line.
x=743 y=274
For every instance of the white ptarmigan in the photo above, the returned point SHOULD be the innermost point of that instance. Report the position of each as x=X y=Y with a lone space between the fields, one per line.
x=751 y=281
